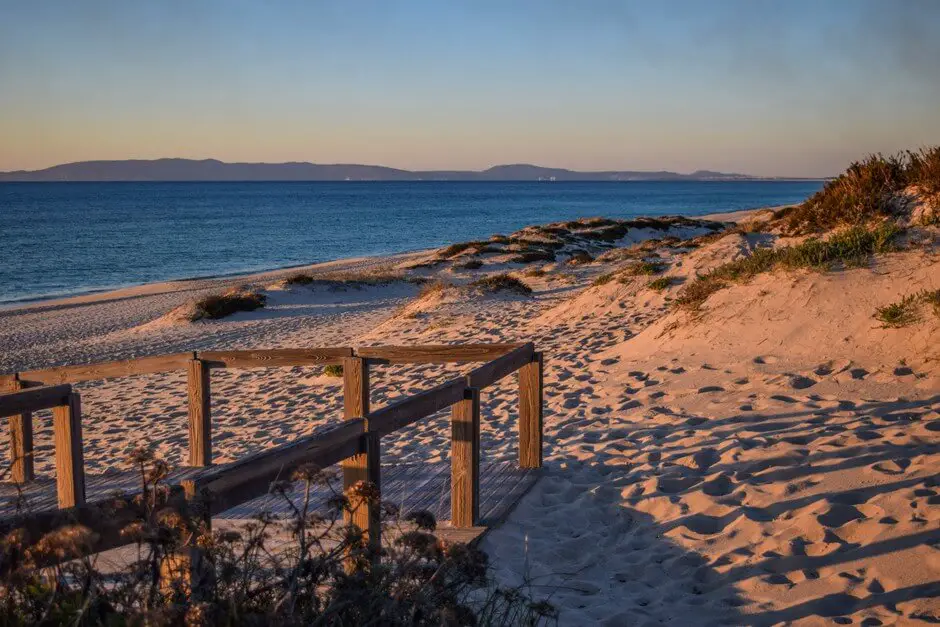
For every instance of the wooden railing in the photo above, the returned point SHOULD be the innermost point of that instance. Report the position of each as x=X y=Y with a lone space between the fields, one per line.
x=355 y=443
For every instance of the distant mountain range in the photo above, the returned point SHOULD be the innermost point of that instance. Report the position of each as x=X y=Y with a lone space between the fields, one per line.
x=213 y=170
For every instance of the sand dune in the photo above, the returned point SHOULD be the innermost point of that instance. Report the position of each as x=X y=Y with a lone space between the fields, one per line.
x=770 y=460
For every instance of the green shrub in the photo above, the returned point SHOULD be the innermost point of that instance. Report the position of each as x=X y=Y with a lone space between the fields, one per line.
x=932 y=298
x=502 y=283
x=221 y=305
x=473 y=264
x=604 y=279
x=333 y=370
x=899 y=314
x=660 y=284
x=299 y=279
x=456 y=249
x=531 y=256
x=645 y=268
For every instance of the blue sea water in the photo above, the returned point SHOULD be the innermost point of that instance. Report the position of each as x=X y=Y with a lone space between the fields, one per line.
x=60 y=239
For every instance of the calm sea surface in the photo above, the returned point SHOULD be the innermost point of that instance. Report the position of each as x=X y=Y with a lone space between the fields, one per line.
x=67 y=238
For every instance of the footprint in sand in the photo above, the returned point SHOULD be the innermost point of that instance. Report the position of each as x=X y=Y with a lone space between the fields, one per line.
x=839 y=515
x=765 y=359
x=800 y=382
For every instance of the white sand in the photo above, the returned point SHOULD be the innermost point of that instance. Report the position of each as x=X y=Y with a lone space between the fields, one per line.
x=773 y=461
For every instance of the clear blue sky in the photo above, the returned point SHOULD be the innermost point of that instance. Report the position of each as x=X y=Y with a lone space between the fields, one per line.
x=787 y=87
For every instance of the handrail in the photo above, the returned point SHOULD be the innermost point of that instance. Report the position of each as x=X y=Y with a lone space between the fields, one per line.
x=355 y=442
x=397 y=415
x=33 y=399
x=263 y=358
x=434 y=353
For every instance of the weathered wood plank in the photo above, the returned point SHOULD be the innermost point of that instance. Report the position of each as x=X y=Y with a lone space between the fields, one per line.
x=69 y=456
x=434 y=354
x=465 y=460
x=275 y=358
x=493 y=371
x=397 y=415
x=252 y=476
x=530 y=413
x=200 y=413
x=21 y=438
x=34 y=399
x=106 y=370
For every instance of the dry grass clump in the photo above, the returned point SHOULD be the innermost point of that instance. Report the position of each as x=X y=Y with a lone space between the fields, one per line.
x=661 y=283
x=436 y=287
x=532 y=256
x=343 y=280
x=645 y=268
x=218 y=306
x=907 y=311
x=455 y=249
x=472 y=264
x=579 y=258
x=502 y=283
x=604 y=279
x=535 y=272
x=866 y=191
x=852 y=247
x=310 y=569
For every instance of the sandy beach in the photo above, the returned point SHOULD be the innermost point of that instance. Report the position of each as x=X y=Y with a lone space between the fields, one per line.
x=770 y=459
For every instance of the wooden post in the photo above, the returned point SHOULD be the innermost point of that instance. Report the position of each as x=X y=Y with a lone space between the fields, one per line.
x=465 y=460
x=367 y=465
x=21 y=440
x=200 y=417
x=530 y=413
x=69 y=458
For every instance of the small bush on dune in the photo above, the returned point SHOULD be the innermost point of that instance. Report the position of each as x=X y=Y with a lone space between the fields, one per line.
x=646 y=268
x=502 y=283
x=333 y=370
x=899 y=314
x=531 y=256
x=437 y=287
x=299 y=279
x=604 y=279
x=580 y=257
x=455 y=249
x=907 y=311
x=473 y=264
x=535 y=272
x=660 y=284
x=924 y=170
x=221 y=305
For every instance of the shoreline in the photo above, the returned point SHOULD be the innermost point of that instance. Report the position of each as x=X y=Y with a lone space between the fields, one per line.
x=226 y=280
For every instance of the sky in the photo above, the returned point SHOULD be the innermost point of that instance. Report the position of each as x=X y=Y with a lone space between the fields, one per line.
x=783 y=88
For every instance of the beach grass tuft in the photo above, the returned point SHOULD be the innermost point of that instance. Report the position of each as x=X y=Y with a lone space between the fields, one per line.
x=851 y=247
x=218 y=306
x=866 y=191
x=660 y=284
x=502 y=283
x=899 y=314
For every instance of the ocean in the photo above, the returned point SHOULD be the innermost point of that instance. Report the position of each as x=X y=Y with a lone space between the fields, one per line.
x=60 y=239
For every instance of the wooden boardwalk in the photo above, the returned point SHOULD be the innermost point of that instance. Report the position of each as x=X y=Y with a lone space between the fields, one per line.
x=467 y=491
x=412 y=486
